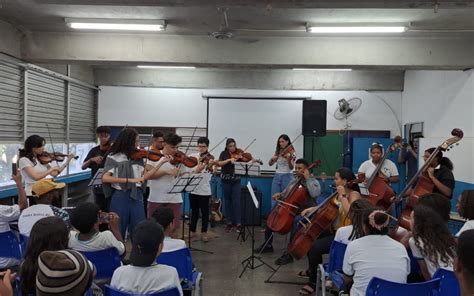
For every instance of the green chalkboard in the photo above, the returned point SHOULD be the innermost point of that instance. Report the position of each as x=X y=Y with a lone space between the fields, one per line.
x=328 y=149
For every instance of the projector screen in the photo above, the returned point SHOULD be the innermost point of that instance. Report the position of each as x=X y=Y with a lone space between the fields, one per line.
x=260 y=119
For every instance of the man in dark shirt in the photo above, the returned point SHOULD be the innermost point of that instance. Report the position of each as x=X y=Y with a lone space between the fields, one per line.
x=95 y=160
x=409 y=155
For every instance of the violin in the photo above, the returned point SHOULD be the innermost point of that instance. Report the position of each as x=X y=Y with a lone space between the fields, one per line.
x=282 y=216
x=287 y=152
x=242 y=156
x=47 y=157
x=423 y=186
x=142 y=153
x=188 y=161
x=206 y=159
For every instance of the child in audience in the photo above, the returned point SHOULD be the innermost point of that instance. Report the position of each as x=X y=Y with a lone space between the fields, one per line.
x=144 y=275
x=432 y=244
x=47 y=234
x=65 y=272
x=86 y=219
x=45 y=191
x=465 y=206
x=464 y=262
x=165 y=217
x=375 y=255
x=12 y=213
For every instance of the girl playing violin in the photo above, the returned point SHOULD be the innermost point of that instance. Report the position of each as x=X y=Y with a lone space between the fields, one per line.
x=31 y=167
x=442 y=176
x=284 y=158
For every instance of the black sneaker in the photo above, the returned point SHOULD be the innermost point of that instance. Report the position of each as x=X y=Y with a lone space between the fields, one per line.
x=284 y=259
x=264 y=249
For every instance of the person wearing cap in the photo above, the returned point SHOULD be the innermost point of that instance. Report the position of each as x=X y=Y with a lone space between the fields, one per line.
x=65 y=272
x=144 y=275
x=165 y=217
x=45 y=192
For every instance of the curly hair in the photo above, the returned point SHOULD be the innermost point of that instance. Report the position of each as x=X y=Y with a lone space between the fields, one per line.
x=358 y=210
x=444 y=161
x=466 y=204
x=438 y=202
x=379 y=221
x=125 y=142
x=432 y=236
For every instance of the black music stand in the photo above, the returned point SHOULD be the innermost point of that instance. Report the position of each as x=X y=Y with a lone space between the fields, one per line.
x=249 y=262
x=96 y=181
x=245 y=170
x=186 y=184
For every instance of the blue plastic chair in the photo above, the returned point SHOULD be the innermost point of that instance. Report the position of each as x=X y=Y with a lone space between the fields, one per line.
x=414 y=266
x=378 y=287
x=449 y=285
x=109 y=291
x=182 y=261
x=9 y=245
x=105 y=261
x=23 y=243
x=333 y=267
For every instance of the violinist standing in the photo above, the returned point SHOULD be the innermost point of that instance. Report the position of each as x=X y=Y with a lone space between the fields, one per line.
x=156 y=145
x=230 y=186
x=199 y=198
x=95 y=161
x=31 y=167
x=124 y=180
x=161 y=182
x=409 y=155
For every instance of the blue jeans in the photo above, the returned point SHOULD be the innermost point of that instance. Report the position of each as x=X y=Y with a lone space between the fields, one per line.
x=231 y=193
x=130 y=211
x=279 y=183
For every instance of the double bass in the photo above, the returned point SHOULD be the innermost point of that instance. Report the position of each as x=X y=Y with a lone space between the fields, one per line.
x=423 y=186
x=380 y=193
x=282 y=216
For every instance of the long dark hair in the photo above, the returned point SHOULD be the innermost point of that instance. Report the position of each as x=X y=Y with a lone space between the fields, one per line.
x=358 y=210
x=284 y=137
x=466 y=204
x=229 y=141
x=47 y=234
x=33 y=141
x=348 y=175
x=438 y=202
x=430 y=230
x=125 y=142
x=444 y=161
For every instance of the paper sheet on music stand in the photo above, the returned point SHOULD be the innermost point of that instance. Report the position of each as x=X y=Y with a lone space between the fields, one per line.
x=254 y=198
x=97 y=178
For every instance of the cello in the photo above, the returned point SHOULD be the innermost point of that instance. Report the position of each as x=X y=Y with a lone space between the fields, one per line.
x=282 y=216
x=423 y=186
x=380 y=193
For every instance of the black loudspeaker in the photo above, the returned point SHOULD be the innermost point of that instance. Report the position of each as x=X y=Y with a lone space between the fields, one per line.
x=250 y=214
x=314 y=117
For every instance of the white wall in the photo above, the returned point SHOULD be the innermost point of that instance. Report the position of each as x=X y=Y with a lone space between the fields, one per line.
x=443 y=100
x=10 y=39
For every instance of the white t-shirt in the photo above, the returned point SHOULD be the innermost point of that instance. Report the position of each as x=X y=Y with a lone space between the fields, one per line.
x=389 y=169
x=375 y=256
x=429 y=265
x=100 y=241
x=8 y=214
x=38 y=168
x=172 y=244
x=31 y=215
x=160 y=187
x=204 y=187
x=145 y=280
x=137 y=169
x=282 y=166
x=343 y=233
x=468 y=225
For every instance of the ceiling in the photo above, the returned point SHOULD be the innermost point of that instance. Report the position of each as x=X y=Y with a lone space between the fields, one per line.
x=246 y=18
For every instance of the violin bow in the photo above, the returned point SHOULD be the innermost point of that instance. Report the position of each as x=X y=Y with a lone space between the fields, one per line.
x=292 y=142
x=148 y=152
x=187 y=149
x=52 y=145
x=251 y=143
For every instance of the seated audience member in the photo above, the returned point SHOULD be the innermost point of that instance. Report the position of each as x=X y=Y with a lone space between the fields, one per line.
x=432 y=244
x=48 y=234
x=86 y=219
x=144 y=275
x=465 y=206
x=45 y=191
x=358 y=208
x=65 y=272
x=165 y=217
x=464 y=262
x=6 y=288
x=375 y=255
x=12 y=213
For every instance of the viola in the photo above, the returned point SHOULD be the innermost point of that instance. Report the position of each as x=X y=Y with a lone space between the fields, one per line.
x=188 y=161
x=314 y=224
x=242 y=156
x=423 y=186
x=282 y=216
x=150 y=154
x=47 y=157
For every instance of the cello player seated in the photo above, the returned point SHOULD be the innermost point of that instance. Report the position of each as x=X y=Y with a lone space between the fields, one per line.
x=314 y=190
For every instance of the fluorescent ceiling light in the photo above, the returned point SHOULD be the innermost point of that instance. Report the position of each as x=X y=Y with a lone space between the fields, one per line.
x=116 y=24
x=321 y=69
x=164 y=67
x=355 y=28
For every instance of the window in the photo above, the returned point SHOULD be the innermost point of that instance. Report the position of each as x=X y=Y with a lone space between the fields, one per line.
x=81 y=150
